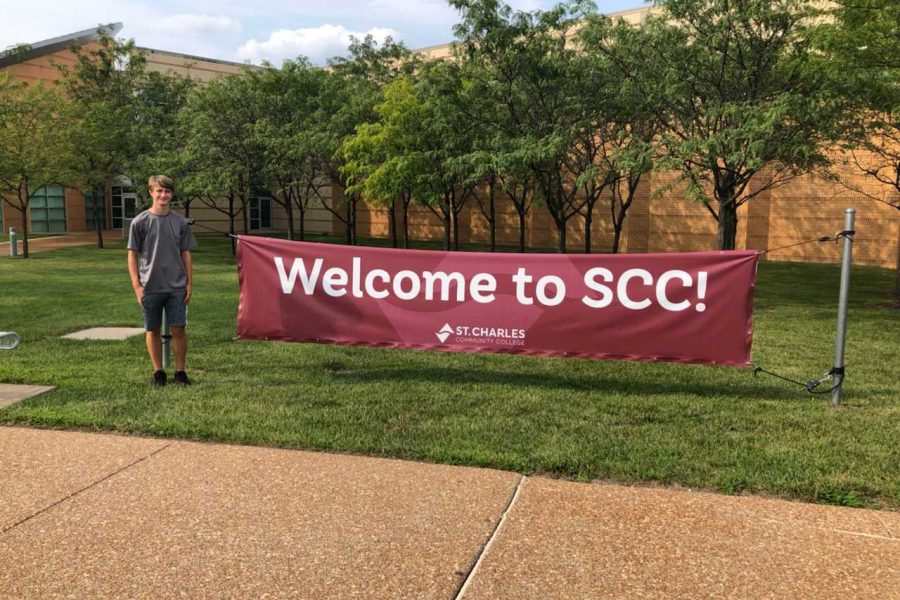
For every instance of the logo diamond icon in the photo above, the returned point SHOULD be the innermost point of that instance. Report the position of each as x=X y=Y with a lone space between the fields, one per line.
x=444 y=333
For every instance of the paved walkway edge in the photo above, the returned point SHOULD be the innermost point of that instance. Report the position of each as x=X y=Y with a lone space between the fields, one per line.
x=84 y=489
x=109 y=516
x=473 y=572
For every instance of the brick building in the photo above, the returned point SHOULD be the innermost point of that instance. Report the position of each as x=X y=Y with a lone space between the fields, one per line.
x=55 y=209
x=806 y=208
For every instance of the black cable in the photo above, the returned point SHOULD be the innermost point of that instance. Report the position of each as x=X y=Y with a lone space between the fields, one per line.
x=757 y=370
x=193 y=223
x=811 y=385
x=825 y=238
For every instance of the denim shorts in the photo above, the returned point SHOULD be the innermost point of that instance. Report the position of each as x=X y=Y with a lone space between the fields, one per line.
x=173 y=302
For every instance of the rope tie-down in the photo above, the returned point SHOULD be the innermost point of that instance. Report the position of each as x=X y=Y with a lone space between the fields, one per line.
x=838 y=371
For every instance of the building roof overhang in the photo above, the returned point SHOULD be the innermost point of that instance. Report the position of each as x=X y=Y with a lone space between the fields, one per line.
x=26 y=52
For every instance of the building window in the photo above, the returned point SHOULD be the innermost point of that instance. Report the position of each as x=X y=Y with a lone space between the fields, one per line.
x=48 y=210
x=89 y=211
x=124 y=205
x=260 y=213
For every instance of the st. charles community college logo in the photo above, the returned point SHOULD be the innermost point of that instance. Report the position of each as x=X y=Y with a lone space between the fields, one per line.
x=445 y=332
x=481 y=335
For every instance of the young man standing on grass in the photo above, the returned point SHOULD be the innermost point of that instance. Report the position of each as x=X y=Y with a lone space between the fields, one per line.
x=159 y=261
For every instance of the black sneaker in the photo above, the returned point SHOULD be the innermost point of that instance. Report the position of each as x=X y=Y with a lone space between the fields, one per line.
x=159 y=379
x=181 y=378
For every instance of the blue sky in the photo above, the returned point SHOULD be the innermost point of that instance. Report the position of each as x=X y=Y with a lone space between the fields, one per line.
x=244 y=30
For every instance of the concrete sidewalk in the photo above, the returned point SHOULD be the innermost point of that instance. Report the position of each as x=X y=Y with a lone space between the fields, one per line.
x=105 y=516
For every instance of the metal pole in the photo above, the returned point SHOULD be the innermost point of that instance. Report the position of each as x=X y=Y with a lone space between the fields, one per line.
x=166 y=337
x=846 y=263
x=13 y=248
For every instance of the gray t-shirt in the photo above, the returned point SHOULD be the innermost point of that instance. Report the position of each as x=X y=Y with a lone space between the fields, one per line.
x=160 y=240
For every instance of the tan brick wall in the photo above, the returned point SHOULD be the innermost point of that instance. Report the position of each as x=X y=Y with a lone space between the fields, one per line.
x=202 y=69
x=810 y=207
x=75 y=211
x=11 y=217
x=805 y=209
x=42 y=68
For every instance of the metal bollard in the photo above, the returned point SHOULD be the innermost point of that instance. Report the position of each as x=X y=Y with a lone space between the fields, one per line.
x=166 y=339
x=13 y=247
x=846 y=264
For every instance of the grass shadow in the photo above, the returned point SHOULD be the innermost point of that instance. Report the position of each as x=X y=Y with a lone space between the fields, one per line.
x=586 y=384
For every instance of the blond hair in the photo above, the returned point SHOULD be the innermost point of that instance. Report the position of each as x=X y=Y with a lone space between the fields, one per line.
x=161 y=181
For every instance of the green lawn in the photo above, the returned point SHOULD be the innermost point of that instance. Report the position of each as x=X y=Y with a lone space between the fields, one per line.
x=695 y=426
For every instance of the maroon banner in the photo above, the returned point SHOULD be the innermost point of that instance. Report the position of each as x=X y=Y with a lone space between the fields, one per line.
x=693 y=307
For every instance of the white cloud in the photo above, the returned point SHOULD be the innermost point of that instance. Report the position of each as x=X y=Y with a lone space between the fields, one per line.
x=530 y=5
x=217 y=28
x=185 y=24
x=316 y=43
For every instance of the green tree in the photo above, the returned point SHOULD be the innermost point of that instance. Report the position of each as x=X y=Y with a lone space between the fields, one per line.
x=487 y=100
x=863 y=47
x=416 y=148
x=34 y=149
x=628 y=130
x=738 y=95
x=528 y=64
x=222 y=148
x=286 y=100
x=158 y=141
x=380 y=161
x=346 y=100
x=444 y=146
x=102 y=85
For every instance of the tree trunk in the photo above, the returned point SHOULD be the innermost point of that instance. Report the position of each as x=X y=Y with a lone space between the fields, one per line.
x=448 y=215
x=618 y=217
x=348 y=238
x=231 y=225
x=353 y=215
x=289 y=209
x=588 y=223
x=406 y=222
x=24 y=213
x=728 y=220
x=554 y=198
x=454 y=217
x=492 y=210
x=617 y=235
x=561 y=235
x=351 y=220
x=392 y=223
x=99 y=203
x=521 y=211
x=302 y=224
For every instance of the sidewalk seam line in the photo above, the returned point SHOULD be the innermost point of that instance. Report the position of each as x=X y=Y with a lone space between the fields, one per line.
x=861 y=534
x=470 y=576
x=886 y=528
x=86 y=488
